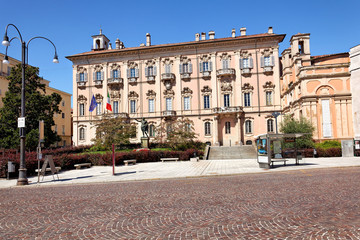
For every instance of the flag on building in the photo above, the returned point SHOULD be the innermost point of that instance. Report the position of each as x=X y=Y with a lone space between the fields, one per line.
x=93 y=104
x=108 y=105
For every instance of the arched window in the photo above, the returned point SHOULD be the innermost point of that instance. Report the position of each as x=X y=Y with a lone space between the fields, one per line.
x=270 y=125
x=248 y=142
x=207 y=128
x=82 y=133
x=248 y=126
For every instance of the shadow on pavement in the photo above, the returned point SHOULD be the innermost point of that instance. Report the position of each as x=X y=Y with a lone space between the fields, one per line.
x=124 y=173
x=293 y=165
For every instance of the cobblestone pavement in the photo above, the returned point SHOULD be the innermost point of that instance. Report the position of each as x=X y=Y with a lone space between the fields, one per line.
x=301 y=204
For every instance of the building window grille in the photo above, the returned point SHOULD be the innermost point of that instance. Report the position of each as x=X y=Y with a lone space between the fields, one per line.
x=268 y=98
x=226 y=100
x=206 y=102
x=98 y=108
x=116 y=107
x=151 y=105
x=227 y=128
x=207 y=128
x=186 y=103
x=82 y=109
x=248 y=126
x=82 y=134
x=132 y=106
x=270 y=125
x=168 y=104
x=247 y=102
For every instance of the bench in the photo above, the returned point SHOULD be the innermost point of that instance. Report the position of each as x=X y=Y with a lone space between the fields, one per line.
x=169 y=159
x=279 y=160
x=130 y=161
x=49 y=169
x=79 y=165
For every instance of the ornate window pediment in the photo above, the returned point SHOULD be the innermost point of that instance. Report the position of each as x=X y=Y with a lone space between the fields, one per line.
x=226 y=87
x=133 y=95
x=150 y=63
x=247 y=88
x=82 y=99
x=206 y=90
x=98 y=68
x=114 y=66
x=184 y=59
x=205 y=58
x=151 y=94
x=269 y=86
x=115 y=95
x=169 y=93
x=81 y=69
x=132 y=64
x=98 y=97
x=245 y=54
x=186 y=92
x=267 y=52
x=225 y=56
x=167 y=61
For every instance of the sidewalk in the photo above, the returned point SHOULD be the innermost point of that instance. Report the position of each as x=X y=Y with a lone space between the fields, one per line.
x=159 y=170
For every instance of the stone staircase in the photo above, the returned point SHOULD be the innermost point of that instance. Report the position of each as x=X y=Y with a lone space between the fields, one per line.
x=235 y=152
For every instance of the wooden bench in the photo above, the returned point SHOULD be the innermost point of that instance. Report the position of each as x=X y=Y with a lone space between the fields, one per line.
x=79 y=165
x=169 y=159
x=279 y=160
x=130 y=161
x=49 y=169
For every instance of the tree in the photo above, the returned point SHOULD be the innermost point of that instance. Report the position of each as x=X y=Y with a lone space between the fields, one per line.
x=38 y=106
x=113 y=130
x=292 y=125
x=178 y=133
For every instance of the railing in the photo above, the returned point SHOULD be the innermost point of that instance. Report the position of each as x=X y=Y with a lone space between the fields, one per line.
x=121 y=115
x=98 y=82
x=227 y=109
x=268 y=69
x=169 y=113
x=225 y=72
x=185 y=75
x=167 y=76
x=151 y=78
x=81 y=83
x=115 y=80
x=246 y=71
x=206 y=74
x=132 y=79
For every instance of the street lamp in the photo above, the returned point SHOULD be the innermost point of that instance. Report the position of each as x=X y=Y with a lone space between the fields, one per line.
x=275 y=115
x=22 y=180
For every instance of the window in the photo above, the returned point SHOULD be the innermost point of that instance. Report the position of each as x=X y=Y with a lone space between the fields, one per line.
x=185 y=68
x=248 y=127
x=63 y=130
x=98 y=108
x=168 y=104
x=82 y=77
x=247 y=100
x=186 y=103
x=82 y=133
x=63 y=103
x=132 y=72
x=98 y=75
x=226 y=100
x=64 y=143
x=167 y=68
x=56 y=128
x=151 y=105
x=270 y=125
x=82 y=109
x=152 y=130
x=63 y=115
x=150 y=71
x=225 y=63
x=227 y=128
x=132 y=106
x=268 y=98
x=115 y=73
x=207 y=128
x=246 y=63
x=115 y=107
x=267 y=62
x=187 y=127
x=206 y=102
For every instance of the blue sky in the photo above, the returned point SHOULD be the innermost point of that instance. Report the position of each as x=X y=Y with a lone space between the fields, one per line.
x=70 y=25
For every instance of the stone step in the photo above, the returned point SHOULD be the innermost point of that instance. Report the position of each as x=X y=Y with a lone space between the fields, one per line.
x=235 y=152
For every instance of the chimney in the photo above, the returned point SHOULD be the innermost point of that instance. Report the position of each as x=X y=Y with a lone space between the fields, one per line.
x=233 y=32
x=211 y=35
x=117 y=44
x=148 y=39
x=270 y=30
x=110 y=47
x=197 y=37
x=203 y=36
x=243 y=31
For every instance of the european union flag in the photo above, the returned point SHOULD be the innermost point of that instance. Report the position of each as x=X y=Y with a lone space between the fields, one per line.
x=93 y=104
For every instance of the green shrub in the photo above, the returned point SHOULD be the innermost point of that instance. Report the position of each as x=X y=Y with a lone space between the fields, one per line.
x=328 y=144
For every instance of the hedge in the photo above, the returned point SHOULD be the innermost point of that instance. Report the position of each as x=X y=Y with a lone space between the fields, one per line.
x=66 y=160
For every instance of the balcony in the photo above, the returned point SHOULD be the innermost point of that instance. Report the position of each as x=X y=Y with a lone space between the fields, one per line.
x=133 y=80
x=246 y=71
x=169 y=113
x=98 y=83
x=206 y=74
x=226 y=72
x=222 y=110
x=185 y=76
x=81 y=84
x=268 y=70
x=114 y=81
x=151 y=78
x=167 y=76
x=121 y=115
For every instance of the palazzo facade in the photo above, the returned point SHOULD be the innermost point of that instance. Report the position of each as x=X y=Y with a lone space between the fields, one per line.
x=229 y=87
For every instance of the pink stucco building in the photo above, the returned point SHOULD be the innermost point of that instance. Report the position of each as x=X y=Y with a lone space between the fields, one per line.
x=228 y=87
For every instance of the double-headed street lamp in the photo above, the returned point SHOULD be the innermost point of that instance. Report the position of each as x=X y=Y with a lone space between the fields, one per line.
x=22 y=180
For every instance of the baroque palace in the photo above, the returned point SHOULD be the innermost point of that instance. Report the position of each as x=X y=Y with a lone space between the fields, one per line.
x=229 y=87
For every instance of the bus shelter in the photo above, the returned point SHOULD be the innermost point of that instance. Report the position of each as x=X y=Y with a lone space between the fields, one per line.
x=269 y=148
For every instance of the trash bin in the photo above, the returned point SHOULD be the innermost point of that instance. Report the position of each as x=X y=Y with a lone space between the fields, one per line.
x=11 y=168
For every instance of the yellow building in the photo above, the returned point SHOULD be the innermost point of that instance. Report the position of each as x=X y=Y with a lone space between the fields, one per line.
x=62 y=120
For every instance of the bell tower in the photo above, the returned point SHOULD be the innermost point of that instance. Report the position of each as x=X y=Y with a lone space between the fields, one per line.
x=100 y=42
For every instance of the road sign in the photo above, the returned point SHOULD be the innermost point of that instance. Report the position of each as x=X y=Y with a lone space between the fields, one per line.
x=21 y=122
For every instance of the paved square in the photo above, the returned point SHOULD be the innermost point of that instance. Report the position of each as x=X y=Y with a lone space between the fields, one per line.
x=299 y=204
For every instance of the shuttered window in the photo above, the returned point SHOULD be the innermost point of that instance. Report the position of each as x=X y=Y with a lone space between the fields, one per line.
x=186 y=103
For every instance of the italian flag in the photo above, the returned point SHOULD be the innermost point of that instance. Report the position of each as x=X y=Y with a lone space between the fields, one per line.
x=108 y=105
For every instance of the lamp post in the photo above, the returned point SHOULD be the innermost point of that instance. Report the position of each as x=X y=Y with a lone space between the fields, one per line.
x=275 y=115
x=22 y=180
